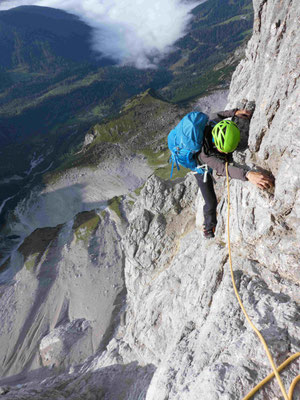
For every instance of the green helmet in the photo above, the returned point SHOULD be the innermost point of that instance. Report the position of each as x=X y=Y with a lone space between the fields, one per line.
x=226 y=135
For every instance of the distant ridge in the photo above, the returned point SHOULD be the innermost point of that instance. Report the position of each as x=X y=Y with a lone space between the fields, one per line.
x=41 y=37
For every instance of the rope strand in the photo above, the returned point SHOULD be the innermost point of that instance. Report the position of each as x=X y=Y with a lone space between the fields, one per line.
x=275 y=369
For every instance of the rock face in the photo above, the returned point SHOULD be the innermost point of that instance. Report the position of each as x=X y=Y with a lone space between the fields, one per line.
x=180 y=334
x=182 y=315
x=270 y=76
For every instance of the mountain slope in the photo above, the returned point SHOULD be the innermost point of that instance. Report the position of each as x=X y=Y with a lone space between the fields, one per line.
x=117 y=156
x=51 y=95
x=140 y=128
x=49 y=86
x=54 y=87
x=205 y=57
x=41 y=39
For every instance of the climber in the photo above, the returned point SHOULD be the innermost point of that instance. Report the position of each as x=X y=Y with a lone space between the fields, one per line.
x=221 y=138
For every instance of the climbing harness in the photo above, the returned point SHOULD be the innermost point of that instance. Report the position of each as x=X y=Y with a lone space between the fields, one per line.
x=204 y=168
x=275 y=369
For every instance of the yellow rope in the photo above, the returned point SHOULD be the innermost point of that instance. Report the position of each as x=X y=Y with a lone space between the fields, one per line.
x=269 y=377
x=293 y=385
x=275 y=369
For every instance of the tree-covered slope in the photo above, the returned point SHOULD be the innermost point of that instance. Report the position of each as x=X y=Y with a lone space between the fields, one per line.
x=42 y=39
x=204 y=57
x=49 y=75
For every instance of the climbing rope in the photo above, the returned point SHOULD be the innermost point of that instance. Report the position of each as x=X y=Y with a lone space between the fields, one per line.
x=275 y=369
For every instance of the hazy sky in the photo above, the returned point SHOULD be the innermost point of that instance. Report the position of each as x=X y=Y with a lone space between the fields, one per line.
x=129 y=31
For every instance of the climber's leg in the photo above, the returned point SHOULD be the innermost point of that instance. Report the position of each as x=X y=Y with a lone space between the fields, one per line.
x=210 y=199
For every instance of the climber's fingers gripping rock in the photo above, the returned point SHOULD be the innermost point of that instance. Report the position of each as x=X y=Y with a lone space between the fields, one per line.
x=243 y=113
x=260 y=180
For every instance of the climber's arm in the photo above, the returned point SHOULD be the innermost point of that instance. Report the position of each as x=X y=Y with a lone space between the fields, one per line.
x=218 y=165
x=258 y=179
x=240 y=113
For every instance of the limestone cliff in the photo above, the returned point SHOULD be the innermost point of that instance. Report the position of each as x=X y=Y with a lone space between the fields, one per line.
x=178 y=332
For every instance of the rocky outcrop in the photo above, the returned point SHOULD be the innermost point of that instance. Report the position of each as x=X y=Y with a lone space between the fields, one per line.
x=182 y=314
x=159 y=217
x=124 y=382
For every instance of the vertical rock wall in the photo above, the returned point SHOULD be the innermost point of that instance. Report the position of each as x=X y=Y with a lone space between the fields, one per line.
x=269 y=75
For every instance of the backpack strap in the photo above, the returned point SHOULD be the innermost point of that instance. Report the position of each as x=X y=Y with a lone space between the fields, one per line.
x=173 y=158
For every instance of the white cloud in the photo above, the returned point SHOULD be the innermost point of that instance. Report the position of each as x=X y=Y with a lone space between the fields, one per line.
x=129 y=31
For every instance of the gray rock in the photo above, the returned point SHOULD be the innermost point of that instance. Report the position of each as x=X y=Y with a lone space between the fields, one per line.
x=212 y=103
x=4 y=390
x=88 y=139
x=67 y=344
x=70 y=273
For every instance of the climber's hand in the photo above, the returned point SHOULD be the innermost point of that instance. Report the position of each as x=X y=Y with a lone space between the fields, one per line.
x=243 y=113
x=260 y=180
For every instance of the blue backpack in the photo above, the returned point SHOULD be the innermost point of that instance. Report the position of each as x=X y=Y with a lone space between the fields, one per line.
x=186 y=139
